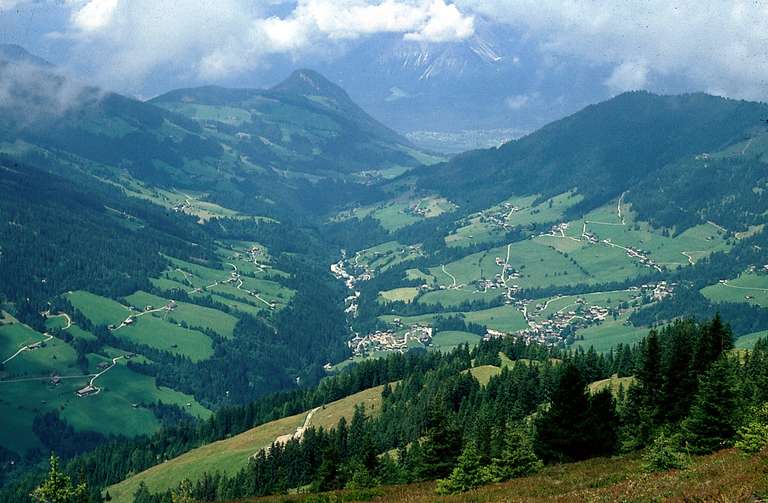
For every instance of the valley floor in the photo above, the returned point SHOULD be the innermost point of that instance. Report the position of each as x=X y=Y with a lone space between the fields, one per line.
x=726 y=476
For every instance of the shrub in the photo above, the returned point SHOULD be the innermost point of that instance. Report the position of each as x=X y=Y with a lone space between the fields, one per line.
x=752 y=437
x=663 y=455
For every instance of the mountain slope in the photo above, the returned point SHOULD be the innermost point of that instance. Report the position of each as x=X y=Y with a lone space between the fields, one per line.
x=305 y=123
x=600 y=151
x=231 y=455
x=275 y=152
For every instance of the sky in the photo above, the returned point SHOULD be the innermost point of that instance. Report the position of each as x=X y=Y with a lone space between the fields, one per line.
x=720 y=47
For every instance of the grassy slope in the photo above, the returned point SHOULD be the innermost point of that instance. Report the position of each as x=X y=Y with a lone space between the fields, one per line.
x=230 y=455
x=726 y=476
x=195 y=316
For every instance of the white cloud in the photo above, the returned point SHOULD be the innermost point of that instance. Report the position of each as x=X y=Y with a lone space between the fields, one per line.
x=517 y=102
x=445 y=23
x=94 y=15
x=218 y=39
x=30 y=94
x=714 y=45
x=628 y=76
x=10 y=4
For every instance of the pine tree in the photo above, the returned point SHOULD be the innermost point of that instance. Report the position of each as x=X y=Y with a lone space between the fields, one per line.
x=467 y=474
x=183 y=493
x=679 y=385
x=650 y=378
x=713 y=419
x=517 y=457
x=328 y=474
x=663 y=455
x=715 y=339
x=58 y=487
x=441 y=445
x=643 y=413
x=563 y=430
x=604 y=422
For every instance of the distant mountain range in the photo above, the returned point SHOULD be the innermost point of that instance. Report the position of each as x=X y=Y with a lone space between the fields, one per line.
x=489 y=88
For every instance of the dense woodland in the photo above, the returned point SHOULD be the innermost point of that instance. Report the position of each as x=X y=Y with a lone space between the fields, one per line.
x=56 y=235
x=689 y=394
x=443 y=424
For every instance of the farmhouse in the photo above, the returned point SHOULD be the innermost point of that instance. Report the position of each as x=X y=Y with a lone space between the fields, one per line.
x=87 y=390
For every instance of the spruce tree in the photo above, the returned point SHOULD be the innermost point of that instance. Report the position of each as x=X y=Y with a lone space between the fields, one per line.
x=713 y=419
x=58 y=487
x=679 y=384
x=604 y=423
x=715 y=339
x=441 y=445
x=467 y=474
x=563 y=430
x=517 y=457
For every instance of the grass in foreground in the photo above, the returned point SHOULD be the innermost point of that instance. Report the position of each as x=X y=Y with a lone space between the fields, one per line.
x=726 y=476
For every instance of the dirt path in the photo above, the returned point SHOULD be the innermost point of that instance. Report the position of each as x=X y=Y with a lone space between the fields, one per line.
x=298 y=434
x=450 y=275
x=718 y=227
x=45 y=378
x=618 y=208
x=252 y=293
x=28 y=347
x=754 y=289
x=47 y=335
x=504 y=267
x=688 y=256
x=96 y=376
x=743 y=151
x=142 y=313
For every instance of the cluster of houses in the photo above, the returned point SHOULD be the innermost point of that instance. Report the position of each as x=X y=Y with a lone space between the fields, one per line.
x=351 y=301
x=389 y=340
x=183 y=207
x=417 y=210
x=641 y=256
x=253 y=254
x=562 y=323
x=559 y=229
x=499 y=217
x=658 y=291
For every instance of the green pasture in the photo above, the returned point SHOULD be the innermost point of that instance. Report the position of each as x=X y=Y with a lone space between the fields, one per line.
x=99 y=310
x=747 y=287
x=193 y=315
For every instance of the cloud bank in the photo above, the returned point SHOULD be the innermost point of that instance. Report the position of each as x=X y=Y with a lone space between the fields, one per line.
x=709 y=45
x=719 y=47
x=214 y=40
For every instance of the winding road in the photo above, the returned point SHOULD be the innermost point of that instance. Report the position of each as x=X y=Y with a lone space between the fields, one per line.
x=96 y=376
x=296 y=435
x=450 y=275
x=47 y=336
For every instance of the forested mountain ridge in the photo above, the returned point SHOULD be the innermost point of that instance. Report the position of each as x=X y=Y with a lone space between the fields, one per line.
x=306 y=123
x=270 y=152
x=600 y=151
